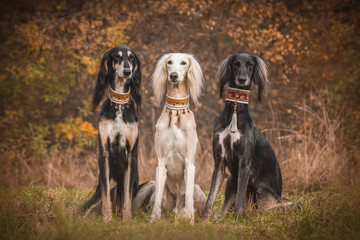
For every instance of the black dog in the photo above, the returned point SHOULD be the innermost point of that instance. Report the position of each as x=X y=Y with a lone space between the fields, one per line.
x=120 y=73
x=239 y=145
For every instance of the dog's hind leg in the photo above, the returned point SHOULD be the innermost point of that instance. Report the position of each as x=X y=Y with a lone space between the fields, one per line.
x=199 y=199
x=269 y=203
x=145 y=192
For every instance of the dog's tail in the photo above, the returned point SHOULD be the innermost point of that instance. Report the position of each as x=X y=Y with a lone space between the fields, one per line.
x=94 y=201
x=143 y=195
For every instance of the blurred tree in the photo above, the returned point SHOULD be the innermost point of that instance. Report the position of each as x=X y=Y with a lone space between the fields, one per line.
x=50 y=53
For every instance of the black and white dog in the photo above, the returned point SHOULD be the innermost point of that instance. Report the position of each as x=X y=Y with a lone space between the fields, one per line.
x=240 y=146
x=120 y=74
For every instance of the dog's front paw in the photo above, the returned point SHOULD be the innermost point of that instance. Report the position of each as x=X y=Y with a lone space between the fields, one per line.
x=126 y=213
x=107 y=217
x=155 y=215
x=107 y=213
x=187 y=214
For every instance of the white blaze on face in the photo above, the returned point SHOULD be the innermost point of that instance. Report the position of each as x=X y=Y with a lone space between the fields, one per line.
x=178 y=63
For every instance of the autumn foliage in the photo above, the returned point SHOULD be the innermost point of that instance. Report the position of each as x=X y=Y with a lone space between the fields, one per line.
x=51 y=51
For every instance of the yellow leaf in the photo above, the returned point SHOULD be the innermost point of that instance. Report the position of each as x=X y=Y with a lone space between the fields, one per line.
x=278 y=57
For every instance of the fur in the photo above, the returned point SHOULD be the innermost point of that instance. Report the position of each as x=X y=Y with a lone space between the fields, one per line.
x=255 y=172
x=176 y=141
x=118 y=134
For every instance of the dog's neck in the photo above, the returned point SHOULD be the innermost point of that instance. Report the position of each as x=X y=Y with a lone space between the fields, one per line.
x=177 y=90
x=119 y=85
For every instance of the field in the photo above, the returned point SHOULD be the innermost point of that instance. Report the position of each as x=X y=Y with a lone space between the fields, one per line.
x=50 y=55
x=40 y=213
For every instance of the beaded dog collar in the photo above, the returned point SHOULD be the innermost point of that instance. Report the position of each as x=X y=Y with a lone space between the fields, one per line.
x=117 y=98
x=177 y=103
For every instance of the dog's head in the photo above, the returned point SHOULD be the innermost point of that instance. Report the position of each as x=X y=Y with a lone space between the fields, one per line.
x=240 y=70
x=119 y=64
x=175 y=68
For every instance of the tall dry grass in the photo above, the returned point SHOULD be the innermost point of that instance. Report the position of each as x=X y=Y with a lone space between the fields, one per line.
x=313 y=153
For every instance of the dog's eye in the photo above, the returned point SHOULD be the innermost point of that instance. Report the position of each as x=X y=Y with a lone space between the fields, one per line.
x=183 y=63
x=131 y=57
x=169 y=62
x=117 y=56
x=237 y=64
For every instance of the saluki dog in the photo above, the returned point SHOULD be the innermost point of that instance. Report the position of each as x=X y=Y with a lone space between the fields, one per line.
x=176 y=142
x=240 y=146
x=120 y=74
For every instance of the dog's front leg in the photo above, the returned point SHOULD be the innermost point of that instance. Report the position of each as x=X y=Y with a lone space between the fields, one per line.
x=159 y=189
x=189 y=176
x=126 y=209
x=243 y=179
x=105 y=187
x=192 y=143
x=217 y=177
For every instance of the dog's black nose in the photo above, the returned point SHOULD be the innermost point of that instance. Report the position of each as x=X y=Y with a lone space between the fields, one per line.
x=173 y=76
x=127 y=71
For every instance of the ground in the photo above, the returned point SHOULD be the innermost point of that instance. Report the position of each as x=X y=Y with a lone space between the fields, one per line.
x=36 y=212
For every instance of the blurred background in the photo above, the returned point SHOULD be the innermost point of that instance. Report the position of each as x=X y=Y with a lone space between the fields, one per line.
x=51 y=51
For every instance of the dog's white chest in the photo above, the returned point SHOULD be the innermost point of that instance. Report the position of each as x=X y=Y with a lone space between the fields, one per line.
x=111 y=129
x=174 y=149
x=228 y=134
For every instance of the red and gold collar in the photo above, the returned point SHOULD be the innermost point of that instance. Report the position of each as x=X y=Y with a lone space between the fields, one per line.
x=237 y=95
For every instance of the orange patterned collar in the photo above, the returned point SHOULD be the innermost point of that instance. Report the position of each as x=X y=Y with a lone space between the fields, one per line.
x=117 y=95
x=177 y=103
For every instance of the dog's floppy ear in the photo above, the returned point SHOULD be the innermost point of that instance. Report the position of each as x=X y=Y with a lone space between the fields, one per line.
x=260 y=76
x=225 y=73
x=195 y=78
x=102 y=80
x=159 y=78
x=136 y=81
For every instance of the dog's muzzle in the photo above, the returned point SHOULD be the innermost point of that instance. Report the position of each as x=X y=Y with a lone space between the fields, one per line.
x=127 y=72
x=173 y=76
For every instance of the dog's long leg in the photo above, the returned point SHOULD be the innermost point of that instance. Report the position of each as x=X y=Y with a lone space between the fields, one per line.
x=189 y=190
x=126 y=209
x=230 y=193
x=159 y=189
x=217 y=177
x=105 y=189
x=104 y=177
x=243 y=179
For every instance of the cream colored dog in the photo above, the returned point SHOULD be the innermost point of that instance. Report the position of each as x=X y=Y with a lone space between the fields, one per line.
x=176 y=142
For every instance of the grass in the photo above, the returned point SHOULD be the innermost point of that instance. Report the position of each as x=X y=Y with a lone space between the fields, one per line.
x=36 y=212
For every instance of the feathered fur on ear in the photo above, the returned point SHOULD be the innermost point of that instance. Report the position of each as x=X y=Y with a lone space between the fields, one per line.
x=136 y=81
x=225 y=73
x=260 y=76
x=102 y=80
x=195 y=79
x=159 y=78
